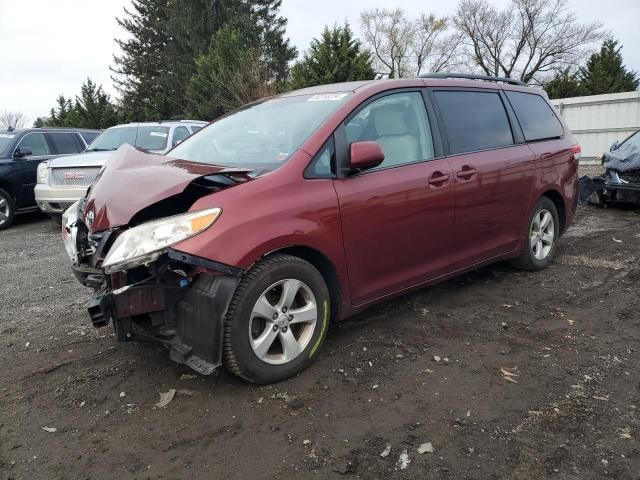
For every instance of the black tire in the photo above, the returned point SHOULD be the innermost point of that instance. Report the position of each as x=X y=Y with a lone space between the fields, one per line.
x=239 y=355
x=7 y=210
x=528 y=259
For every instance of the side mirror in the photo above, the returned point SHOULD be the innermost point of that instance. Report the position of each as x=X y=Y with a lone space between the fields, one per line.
x=614 y=145
x=22 y=152
x=365 y=155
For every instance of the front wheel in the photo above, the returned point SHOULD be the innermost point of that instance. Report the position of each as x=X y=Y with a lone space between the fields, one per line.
x=7 y=210
x=277 y=320
x=542 y=236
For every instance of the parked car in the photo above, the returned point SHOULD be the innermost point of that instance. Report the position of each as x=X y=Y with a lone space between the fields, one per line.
x=315 y=204
x=620 y=183
x=21 y=151
x=63 y=181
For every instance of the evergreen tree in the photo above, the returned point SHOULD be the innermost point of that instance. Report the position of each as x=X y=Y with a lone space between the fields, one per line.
x=605 y=72
x=92 y=109
x=564 y=84
x=167 y=36
x=230 y=74
x=60 y=116
x=336 y=57
x=38 y=123
x=143 y=73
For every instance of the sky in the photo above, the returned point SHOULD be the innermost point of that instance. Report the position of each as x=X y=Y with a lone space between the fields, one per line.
x=48 y=48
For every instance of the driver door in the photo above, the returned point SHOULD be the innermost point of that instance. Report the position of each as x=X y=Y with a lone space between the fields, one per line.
x=26 y=167
x=397 y=218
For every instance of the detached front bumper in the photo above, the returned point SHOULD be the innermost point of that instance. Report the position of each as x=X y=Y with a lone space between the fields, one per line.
x=178 y=299
x=177 y=303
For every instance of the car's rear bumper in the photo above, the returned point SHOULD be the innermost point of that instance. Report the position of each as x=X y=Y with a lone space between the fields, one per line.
x=55 y=200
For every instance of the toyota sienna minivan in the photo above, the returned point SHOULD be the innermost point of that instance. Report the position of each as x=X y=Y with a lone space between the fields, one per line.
x=307 y=207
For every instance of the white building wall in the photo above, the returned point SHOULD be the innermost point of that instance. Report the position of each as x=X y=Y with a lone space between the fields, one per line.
x=599 y=120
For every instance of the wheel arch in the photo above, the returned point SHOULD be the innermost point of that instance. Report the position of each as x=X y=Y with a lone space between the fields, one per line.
x=324 y=265
x=558 y=200
x=8 y=187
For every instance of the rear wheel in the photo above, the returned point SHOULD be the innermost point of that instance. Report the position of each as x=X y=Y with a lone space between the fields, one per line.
x=542 y=236
x=7 y=209
x=277 y=320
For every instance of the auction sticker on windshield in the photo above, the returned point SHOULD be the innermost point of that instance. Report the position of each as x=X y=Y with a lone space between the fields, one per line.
x=158 y=134
x=6 y=135
x=327 y=97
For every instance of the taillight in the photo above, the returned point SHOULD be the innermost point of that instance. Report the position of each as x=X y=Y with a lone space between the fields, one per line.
x=576 y=151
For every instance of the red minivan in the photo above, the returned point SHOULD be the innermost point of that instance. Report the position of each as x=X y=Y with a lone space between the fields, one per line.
x=304 y=208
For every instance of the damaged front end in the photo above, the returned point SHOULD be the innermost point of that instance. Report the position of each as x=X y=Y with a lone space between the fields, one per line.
x=142 y=284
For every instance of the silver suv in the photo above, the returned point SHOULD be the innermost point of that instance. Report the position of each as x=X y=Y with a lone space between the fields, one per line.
x=62 y=181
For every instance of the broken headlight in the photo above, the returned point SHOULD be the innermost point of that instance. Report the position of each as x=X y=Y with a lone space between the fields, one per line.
x=146 y=242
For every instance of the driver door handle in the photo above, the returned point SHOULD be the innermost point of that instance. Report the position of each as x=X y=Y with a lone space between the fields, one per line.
x=438 y=179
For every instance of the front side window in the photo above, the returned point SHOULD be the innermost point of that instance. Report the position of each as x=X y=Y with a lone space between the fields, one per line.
x=473 y=120
x=65 y=143
x=37 y=143
x=536 y=117
x=179 y=134
x=399 y=123
x=322 y=166
x=260 y=136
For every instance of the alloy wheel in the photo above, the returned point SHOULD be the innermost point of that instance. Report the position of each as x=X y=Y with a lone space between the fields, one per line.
x=5 y=210
x=283 y=321
x=542 y=234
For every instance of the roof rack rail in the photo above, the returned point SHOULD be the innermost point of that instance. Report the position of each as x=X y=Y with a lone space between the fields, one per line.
x=470 y=76
x=193 y=121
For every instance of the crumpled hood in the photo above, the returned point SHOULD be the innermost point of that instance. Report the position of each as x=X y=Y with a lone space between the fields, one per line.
x=133 y=180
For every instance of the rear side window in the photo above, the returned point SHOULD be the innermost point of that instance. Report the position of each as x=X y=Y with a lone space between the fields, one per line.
x=474 y=120
x=65 y=143
x=89 y=136
x=536 y=117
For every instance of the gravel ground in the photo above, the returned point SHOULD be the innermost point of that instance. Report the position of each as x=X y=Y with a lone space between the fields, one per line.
x=568 y=338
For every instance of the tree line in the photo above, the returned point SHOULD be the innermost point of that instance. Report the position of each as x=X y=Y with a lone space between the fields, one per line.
x=202 y=58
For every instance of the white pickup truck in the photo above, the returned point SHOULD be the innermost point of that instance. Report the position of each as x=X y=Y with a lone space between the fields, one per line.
x=63 y=181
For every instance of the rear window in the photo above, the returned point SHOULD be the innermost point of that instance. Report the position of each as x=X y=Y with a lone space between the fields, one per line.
x=65 y=143
x=536 y=117
x=474 y=120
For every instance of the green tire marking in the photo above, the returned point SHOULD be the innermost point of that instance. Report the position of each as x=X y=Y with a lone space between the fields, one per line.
x=324 y=327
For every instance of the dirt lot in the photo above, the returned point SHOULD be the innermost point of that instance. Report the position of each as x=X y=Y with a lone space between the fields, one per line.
x=571 y=334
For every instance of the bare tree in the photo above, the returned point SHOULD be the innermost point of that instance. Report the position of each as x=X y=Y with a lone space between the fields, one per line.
x=13 y=119
x=404 y=47
x=526 y=40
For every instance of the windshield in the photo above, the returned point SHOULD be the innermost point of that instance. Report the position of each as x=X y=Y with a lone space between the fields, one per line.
x=6 y=140
x=634 y=139
x=143 y=136
x=261 y=136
